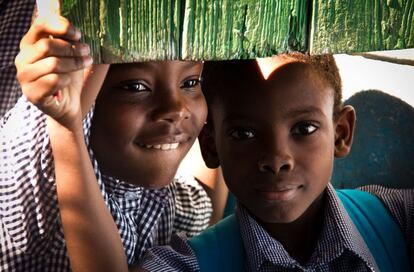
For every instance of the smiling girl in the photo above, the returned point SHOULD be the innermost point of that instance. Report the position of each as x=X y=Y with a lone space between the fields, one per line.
x=126 y=148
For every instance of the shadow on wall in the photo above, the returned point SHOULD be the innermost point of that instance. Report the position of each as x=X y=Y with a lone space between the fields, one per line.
x=383 y=148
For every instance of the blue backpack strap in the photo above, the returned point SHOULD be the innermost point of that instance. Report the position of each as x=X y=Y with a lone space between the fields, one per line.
x=220 y=247
x=381 y=233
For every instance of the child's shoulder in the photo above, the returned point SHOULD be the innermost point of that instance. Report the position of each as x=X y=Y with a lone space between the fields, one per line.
x=187 y=188
x=190 y=203
x=384 y=232
x=186 y=182
x=400 y=202
x=391 y=196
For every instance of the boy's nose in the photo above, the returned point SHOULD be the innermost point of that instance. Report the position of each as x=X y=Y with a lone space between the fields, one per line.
x=276 y=162
x=172 y=109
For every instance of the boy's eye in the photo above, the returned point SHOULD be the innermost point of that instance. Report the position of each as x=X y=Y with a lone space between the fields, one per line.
x=134 y=86
x=304 y=129
x=191 y=83
x=242 y=134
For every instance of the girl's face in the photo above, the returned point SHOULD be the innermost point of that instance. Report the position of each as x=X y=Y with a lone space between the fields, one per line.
x=146 y=118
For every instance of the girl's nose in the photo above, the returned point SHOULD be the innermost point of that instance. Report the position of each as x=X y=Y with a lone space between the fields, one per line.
x=171 y=109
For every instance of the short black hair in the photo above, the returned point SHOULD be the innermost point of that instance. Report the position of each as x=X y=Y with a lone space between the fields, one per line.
x=214 y=72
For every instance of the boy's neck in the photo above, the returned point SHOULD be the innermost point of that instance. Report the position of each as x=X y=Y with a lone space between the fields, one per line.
x=299 y=238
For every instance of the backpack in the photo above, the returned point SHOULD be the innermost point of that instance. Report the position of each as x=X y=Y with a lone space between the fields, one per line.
x=220 y=247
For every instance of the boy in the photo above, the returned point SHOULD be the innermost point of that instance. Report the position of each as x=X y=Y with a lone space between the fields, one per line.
x=275 y=134
x=144 y=121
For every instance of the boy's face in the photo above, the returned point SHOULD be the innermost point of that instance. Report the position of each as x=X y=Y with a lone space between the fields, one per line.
x=275 y=139
x=147 y=117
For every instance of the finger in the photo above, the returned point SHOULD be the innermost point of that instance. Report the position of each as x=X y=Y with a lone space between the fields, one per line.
x=48 y=7
x=94 y=77
x=56 y=26
x=46 y=47
x=45 y=87
x=52 y=65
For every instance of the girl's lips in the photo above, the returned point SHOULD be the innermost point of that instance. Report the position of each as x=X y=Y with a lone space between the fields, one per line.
x=164 y=147
x=169 y=142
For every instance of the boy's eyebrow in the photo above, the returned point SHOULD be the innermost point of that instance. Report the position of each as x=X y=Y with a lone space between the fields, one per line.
x=307 y=110
x=311 y=110
x=234 y=117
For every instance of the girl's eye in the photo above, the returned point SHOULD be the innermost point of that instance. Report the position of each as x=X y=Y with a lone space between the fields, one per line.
x=191 y=83
x=134 y=87
x=304 y=129
x=242 y=134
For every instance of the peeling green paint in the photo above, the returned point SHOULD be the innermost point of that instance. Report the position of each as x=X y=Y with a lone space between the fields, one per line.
x=360 y=26
x=137 y=30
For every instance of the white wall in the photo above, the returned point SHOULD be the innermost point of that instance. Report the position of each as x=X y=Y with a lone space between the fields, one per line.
x=359 y=73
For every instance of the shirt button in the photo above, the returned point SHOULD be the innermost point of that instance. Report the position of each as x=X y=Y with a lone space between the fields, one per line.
x=130 y=195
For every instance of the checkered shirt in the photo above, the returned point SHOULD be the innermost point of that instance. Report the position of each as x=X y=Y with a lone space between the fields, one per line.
x=31 y=235
x=340 y=247
x=15 y=18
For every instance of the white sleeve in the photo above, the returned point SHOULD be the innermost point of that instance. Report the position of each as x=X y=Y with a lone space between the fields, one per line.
x=28 y=204
x=193 y=206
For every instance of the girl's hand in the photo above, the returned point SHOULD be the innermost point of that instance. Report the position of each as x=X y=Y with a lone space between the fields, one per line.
x=50 y=68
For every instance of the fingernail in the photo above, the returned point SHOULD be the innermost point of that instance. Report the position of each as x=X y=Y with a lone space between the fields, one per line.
x=58 y=97
x=78 y=34
x=74 y=32
x=87 y=61
x=84 y=49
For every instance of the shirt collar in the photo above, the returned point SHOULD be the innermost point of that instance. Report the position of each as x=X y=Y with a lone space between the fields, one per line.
x=338 y=234
x=260 y=246
x=348 y=237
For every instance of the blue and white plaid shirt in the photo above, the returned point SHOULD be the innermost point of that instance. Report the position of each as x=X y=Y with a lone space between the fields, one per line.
x=340 y=247
x=31 y=235
x=15 y=19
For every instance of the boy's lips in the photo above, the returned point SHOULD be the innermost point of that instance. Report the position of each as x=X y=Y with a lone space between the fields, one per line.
x=278 y=194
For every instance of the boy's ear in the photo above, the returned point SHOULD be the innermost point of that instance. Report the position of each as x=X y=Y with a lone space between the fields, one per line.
x=208 y=147
x=344 y=131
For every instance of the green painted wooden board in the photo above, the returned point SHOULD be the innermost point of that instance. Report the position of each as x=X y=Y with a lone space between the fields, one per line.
x=239 y=29
x=136 y=30
x=345 y=26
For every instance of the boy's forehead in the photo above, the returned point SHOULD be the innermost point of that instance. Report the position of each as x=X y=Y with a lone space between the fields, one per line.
x=248 y=71
x=263 y=73
x=268 y=65
x=249 y=83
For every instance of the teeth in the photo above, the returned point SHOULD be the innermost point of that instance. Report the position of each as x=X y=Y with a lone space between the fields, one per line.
x=163 y=146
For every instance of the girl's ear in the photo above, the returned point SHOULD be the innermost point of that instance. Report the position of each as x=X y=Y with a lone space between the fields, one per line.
x=344 y=131
x=208 y=147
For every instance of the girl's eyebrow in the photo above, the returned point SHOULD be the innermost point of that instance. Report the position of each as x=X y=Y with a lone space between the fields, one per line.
x=149 y=65
x=142 y=65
